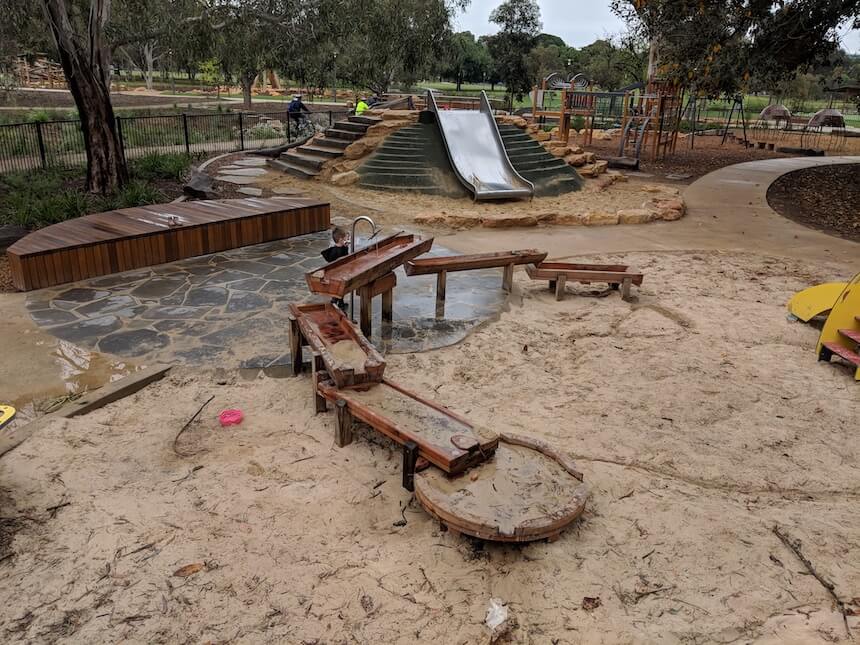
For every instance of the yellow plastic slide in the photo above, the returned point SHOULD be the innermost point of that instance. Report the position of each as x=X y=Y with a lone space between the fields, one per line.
x=7 y=413
x=841 y=333
x=812 y=302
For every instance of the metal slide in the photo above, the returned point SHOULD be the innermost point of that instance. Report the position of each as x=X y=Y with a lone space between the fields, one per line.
x=477 y=152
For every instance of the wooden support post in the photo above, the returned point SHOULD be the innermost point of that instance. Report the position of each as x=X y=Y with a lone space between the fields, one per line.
x=295 y=346
x=410 y=459
x=508 y=278
x=552 y=285
x=441 y=283
x=625 y=289
x=319 y=373
x=388 y=306
x=559 y=286
x=343 y=433
x=365 y=315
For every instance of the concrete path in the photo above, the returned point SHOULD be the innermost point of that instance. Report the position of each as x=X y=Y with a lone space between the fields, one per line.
x=726 y=210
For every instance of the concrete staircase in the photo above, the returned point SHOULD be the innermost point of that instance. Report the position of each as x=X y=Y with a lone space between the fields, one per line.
x=551 y=175
x=411 y=159
x=307 y=160
x=414 y=159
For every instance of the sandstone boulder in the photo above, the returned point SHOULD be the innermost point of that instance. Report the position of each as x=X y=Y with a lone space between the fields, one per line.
x=540 y=135
x=636 y=216
x=669 y=209
x=567 y=219
x=510 y=119
x=345 y=178
x=508 y=221
x=386 y=127
x=362 y=147
x=400 y=115
x=577 y=160
x=600 y=218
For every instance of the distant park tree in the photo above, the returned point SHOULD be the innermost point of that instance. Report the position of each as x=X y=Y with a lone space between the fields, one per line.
x=544 y=60
x=611 y=66
x=544 y=40
x=519 y=26
x=466 y=59
x=718 y=45
x=391 y=40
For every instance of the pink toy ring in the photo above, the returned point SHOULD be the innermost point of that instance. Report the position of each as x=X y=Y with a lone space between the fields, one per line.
x=230 y=418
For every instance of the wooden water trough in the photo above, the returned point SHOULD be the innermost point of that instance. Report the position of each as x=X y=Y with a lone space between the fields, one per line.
x=369 y=271
x=559 y=273
x=442 y=265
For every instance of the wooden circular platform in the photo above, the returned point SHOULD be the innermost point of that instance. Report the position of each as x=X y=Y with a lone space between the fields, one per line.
x=527 y=491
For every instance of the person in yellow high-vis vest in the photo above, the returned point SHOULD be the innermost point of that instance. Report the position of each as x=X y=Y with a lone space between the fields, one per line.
x=361 y=106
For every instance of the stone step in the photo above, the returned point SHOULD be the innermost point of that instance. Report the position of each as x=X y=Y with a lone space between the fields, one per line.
x=334 y=144
x=346 y=135
x=394 y=165
x=298 y=171
x=530 y=155
x=403 y=148
x=538 y=164
x=523 y=145
x=378 y=170
x=320 y=151
x=396 y=156
x=304 y=160
x=351 y=126
x=375 y=183
x=418 y=138
x=537 y=174
x=365 y=120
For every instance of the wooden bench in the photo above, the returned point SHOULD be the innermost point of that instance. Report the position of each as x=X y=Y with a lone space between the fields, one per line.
x=443 y=265
x=132 y=238
x=559 y=273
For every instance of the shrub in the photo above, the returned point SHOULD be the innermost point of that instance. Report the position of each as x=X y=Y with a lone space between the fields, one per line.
x=160 y=166
x=135 y=193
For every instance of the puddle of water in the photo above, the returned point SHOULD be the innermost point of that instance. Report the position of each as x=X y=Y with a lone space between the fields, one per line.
x=74 y=370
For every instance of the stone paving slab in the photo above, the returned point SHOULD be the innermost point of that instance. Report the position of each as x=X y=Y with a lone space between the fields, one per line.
x=230 y=309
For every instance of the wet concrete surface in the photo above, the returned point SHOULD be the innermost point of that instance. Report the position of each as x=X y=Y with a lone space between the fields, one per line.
x=230 y=309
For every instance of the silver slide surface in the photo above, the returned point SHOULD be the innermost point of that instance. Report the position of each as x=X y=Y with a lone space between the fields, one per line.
x=477 y=153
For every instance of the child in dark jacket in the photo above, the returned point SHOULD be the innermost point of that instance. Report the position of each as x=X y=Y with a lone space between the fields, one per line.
x=338 y=249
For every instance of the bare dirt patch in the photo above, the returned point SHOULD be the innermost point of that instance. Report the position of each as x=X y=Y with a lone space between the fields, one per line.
x=37 y=99
x=707 y=155
x=826 y=198
x=698 y=415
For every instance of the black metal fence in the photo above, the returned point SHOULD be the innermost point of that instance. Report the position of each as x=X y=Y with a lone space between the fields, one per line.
x=60 y=144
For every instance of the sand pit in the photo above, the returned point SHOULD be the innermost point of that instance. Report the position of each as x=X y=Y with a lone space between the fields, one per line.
x=698 y=415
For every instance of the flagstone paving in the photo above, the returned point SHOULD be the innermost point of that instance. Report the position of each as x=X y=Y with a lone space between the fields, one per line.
x=230 y=309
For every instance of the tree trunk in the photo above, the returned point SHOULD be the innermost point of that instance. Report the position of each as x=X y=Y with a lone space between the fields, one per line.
x=87 y=71
x=459 y=81
x=247 y=81
x=148 y=69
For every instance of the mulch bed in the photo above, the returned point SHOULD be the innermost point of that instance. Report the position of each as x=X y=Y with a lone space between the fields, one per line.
x=29 y=98
x=826 y=198
x=5 y=274
x=707 y=155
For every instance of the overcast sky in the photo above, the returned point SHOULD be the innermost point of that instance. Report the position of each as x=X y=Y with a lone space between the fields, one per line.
x=578 y=22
